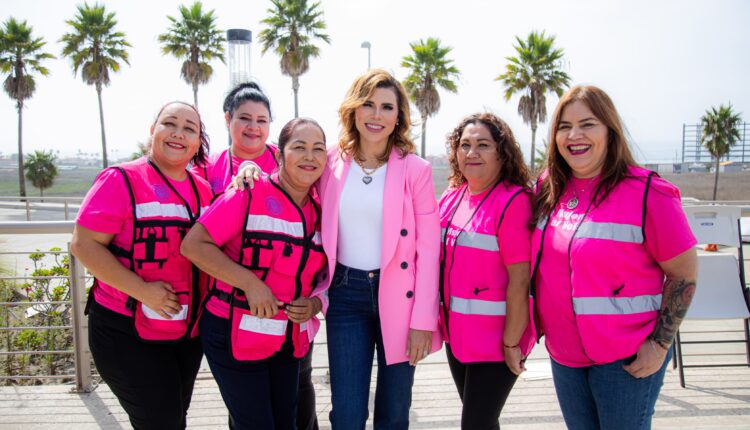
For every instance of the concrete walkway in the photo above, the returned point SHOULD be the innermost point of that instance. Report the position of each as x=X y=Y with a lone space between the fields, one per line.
x=715 y=398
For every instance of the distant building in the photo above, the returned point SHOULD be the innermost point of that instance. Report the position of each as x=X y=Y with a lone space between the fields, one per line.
x=694 y=152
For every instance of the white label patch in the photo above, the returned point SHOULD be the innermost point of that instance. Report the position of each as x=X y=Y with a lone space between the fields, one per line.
x=263 y=325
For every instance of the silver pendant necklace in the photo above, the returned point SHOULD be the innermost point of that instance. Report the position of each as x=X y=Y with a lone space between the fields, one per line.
x=573 y=202
x=368 y=172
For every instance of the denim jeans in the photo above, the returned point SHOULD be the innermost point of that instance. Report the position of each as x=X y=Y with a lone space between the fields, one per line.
x=259 y=395
x=606 y=396
x=353 y=329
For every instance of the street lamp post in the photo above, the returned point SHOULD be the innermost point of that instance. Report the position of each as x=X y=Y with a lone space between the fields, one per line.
x=238 y=41
x=238 y=47
x=367 y=45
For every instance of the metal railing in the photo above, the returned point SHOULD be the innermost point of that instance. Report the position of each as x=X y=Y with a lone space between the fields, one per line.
x=29 y=204
x=70 y=308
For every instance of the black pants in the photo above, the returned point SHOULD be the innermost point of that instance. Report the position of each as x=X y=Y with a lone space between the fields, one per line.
x=483 y=388
x=260 y=395
x=307 y=418
x=153 y=382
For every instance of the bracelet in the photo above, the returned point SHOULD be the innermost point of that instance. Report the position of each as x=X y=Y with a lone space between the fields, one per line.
x=510 y=346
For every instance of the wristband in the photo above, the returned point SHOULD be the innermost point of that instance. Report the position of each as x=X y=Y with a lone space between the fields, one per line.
x=510 y=346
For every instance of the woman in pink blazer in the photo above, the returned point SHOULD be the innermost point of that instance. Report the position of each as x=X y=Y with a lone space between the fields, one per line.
x=381 y=233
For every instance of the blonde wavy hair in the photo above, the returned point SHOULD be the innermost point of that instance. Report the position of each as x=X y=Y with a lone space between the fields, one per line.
x=360 y=91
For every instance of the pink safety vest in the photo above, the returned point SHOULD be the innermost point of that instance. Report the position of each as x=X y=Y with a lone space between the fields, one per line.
x=474 y=286
x=221 y=171
x=279 y=249
x=616 y=312
x=161 y=218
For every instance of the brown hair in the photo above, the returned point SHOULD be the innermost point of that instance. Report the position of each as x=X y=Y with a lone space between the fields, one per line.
x=199 y=159
x=616 y=161
x=288 y=130
x=361 y=90
x=512 y=168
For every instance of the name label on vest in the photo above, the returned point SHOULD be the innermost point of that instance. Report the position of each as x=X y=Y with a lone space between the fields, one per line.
x=152 y=314
x=263 y=325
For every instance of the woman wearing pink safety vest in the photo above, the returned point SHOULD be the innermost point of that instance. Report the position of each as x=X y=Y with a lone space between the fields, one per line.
x=146 y=296
x=484 y=216
x=247 y=112
x=263 y=247
x=614 y=267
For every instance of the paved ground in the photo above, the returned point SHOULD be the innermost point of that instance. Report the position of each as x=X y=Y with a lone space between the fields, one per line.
x=715 y=398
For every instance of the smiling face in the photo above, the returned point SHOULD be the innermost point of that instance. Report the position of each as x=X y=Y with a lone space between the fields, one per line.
x=304 y=157
x=175 y=136
x=581 y=139
x=478 y=160
x=376 y=118
x=249 y=127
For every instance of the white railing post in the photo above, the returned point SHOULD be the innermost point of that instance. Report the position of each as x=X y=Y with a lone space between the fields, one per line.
x=80 y=326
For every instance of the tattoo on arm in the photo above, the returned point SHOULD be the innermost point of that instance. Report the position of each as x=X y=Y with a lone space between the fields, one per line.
x=678 y=293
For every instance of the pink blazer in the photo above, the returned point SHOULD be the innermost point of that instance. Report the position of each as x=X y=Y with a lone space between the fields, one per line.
x=409 y=262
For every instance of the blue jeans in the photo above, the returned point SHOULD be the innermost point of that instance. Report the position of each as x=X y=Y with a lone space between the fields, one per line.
x=259 y=395
x=606 y=396
x=353 y=329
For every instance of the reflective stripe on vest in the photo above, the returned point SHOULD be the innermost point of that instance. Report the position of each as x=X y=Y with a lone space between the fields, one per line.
x=164 y=210
x=256 y=222
x=477 y=307
x=486 y=242
x=610 y=231
x=616 y=305
x=263 y=325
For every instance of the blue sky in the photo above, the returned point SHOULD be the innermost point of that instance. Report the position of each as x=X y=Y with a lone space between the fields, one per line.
x=663 y=62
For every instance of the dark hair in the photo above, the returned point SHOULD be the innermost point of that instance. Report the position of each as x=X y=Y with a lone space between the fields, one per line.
x=199 y=158
x=362 y=88
x=513 y=170
x=246 y=91
x=288 y=130
x=616 y=161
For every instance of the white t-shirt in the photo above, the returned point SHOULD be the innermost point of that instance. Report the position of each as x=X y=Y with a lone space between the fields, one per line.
x=361 y=219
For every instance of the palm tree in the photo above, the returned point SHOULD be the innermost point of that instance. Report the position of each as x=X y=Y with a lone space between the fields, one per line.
x=534 y=72
x=95 y=47
x=429 y=69
x=41 y=170
x=20 y=55
x=719 y=133
x=293 y=26
x=195 y=38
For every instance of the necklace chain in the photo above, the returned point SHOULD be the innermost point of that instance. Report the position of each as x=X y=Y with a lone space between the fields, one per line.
x=573 y=202
x=368 y=172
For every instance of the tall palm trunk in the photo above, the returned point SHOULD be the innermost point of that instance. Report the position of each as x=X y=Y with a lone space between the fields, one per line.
x=295 y=88
x=195 y=95
x=533 y=144
x=424 y=136
x=21 y=179
x=716 y=178
x=105 y=164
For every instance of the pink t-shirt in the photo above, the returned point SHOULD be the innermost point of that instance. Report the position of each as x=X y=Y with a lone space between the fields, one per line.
x=667 y=236
x=513 y=236
x=218 y=174
x=224 y=221
x=107 y=209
